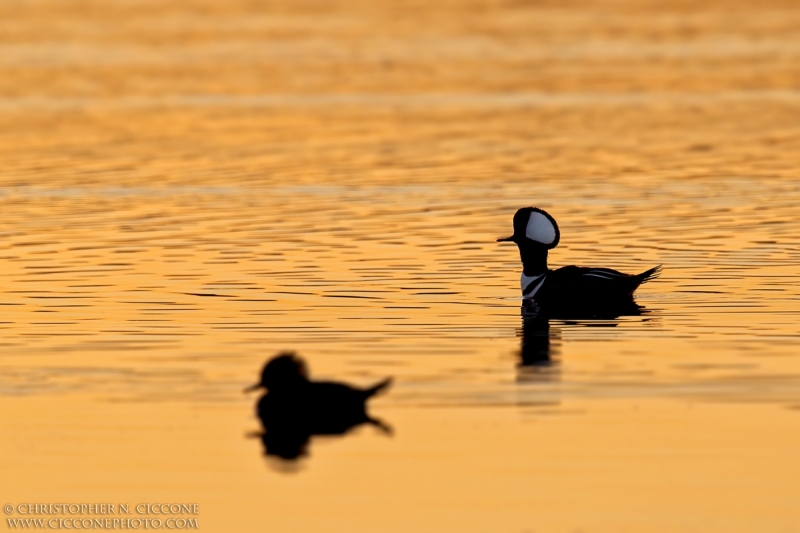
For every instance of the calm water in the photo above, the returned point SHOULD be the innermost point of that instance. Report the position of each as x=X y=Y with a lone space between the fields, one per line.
x=187 y=190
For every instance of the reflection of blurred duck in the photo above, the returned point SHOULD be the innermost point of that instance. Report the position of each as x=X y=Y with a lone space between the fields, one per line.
x=536 y=232
x=294 y=407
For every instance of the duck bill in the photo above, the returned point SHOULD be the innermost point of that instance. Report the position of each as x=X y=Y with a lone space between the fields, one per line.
x=506 y=239
x=252 y=388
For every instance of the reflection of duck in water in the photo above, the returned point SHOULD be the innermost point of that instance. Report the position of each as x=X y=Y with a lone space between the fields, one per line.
x=536 y=346
x=536 y=232
x=540 y=345
x=295 y=408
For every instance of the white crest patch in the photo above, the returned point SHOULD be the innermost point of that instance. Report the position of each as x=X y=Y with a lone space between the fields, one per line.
x=540 y=229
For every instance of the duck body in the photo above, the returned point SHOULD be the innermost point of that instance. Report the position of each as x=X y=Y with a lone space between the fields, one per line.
x=535 y=233
x=296 y=408
x=582 y=284
x=317 y=407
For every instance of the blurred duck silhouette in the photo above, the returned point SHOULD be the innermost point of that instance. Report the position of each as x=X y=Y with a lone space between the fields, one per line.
x=295 y=408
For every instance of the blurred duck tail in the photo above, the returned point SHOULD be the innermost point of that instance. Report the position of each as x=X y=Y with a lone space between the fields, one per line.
x=376 y=389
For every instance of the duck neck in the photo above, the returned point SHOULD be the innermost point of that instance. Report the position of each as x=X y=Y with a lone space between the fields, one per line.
x=534 y=258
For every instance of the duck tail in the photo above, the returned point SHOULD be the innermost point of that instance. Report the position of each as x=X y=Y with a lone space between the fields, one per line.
x=647 y=275
x=378 y=388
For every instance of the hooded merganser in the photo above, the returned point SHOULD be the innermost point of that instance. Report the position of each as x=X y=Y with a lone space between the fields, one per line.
x=295 y=408
x=535 y=233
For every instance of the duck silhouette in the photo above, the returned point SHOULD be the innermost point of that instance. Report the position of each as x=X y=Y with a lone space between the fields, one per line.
x=569 y=287
x=294 y=407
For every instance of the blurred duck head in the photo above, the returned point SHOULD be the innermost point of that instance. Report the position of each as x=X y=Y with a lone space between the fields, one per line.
x=285 y=370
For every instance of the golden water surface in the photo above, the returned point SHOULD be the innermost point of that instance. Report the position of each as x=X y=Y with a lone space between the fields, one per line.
x=187 y=188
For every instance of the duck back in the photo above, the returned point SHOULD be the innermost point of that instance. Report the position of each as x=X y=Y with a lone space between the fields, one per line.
x=587 y=284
